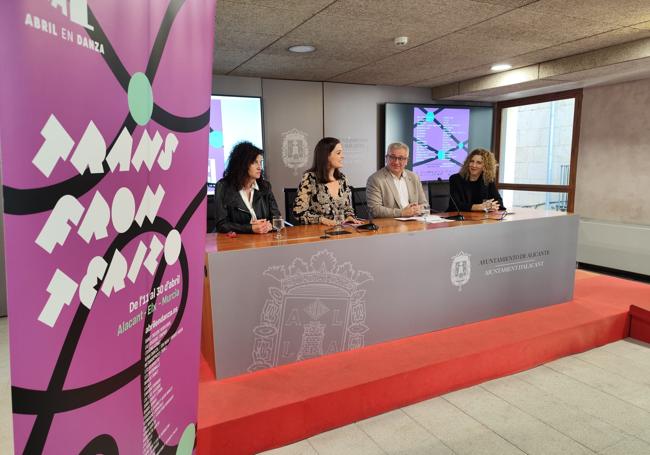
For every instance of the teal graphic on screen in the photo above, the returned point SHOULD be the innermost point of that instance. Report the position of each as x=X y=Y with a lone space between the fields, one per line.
x=233 y=119
x=440 y=137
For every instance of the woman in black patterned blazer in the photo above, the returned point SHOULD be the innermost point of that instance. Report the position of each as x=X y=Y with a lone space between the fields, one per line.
x=324 y=189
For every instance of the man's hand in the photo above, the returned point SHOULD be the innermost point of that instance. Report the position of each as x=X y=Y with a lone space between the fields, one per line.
x=411 y=210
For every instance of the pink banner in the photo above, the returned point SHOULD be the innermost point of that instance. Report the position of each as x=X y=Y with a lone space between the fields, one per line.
x=104 y=140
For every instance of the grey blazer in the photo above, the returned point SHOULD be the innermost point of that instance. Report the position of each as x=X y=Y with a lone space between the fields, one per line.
x=382 y=195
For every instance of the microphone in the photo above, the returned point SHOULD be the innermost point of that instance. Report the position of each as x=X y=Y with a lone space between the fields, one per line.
x=369 y=226
x=459 y=216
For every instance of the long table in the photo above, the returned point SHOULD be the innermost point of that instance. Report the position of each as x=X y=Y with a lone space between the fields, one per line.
x=275 y=302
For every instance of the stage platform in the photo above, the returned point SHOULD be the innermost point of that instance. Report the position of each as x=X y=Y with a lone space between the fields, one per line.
x=272 y=408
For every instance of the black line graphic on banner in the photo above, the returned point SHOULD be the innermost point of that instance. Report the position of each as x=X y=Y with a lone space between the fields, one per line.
x=18 y=201
x=45 y=404
x=41 y=403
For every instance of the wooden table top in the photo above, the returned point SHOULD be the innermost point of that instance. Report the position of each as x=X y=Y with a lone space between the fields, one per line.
x=313 y=233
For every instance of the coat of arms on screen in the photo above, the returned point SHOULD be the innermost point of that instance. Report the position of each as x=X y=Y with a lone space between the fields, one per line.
x=316 y=308
x=461 y=268
x=295 y=150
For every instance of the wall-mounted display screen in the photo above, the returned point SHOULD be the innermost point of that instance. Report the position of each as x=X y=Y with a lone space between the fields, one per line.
x=439 y=137
x=232 y=119
x=439 y=144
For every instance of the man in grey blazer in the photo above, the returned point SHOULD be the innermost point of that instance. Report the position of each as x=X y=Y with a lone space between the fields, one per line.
x=393 y=190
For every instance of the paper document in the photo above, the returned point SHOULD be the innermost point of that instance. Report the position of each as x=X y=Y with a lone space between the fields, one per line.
x=426 y=219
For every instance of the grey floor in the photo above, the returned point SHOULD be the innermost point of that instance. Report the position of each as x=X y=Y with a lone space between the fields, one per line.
x=594 y=402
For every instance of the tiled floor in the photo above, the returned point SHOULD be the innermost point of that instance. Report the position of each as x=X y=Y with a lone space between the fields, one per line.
x=594 y=402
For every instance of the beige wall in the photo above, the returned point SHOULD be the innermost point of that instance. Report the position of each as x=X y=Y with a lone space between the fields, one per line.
x=613 y=178
x=349 y=112
x=352 y=114
x=293 y=124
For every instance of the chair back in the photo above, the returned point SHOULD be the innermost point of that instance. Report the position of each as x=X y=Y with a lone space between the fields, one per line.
x=359 y=203
x=289 y=198
x=212 y=222
x=438 y=196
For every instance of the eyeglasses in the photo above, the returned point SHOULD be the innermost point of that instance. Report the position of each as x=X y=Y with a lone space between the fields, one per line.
x=400 y=159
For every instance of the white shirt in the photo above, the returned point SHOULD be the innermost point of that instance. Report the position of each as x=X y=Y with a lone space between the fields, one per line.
x=402 y=189
x=249 y=202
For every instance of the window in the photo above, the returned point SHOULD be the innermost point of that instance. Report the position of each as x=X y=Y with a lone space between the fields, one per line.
x=535 y=200
x=536 y=145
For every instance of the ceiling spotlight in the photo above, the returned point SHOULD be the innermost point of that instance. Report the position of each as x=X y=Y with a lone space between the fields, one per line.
x=401 y=41
x=302 y=48
x=501 y=67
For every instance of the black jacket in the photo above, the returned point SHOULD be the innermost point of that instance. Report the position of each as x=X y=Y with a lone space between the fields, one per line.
x=231 y=213
x=461 y=192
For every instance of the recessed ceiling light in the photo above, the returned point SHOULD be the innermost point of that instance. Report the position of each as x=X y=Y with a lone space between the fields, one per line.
x=302 y=48
x=501 y=67
x=401 y=41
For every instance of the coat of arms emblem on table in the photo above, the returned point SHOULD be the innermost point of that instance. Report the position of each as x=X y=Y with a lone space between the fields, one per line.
x=461 y=268
x=318 y=307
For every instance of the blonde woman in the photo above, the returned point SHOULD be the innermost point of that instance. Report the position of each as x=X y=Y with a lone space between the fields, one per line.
x=474 y=188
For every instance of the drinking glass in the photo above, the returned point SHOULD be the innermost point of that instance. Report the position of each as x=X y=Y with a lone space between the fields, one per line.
x=278 y=225
x=339 y=217
x=425 y=210
x=486 y=207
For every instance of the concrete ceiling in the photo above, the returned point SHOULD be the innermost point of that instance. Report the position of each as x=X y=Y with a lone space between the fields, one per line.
x=452 y=43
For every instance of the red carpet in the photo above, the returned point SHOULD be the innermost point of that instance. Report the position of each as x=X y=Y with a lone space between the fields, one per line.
x=640 y=322
x=271 y=408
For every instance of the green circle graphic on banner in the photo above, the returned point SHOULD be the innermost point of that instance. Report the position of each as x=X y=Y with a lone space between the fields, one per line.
x=140 y=96
x=186 y=444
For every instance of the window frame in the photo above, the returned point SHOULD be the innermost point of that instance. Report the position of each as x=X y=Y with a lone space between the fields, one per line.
x=575 y=140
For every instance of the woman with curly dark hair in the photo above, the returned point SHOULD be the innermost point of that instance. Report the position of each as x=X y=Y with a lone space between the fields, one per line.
x=474 y=188
x=243 y=200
